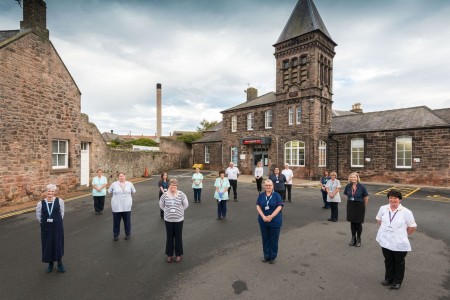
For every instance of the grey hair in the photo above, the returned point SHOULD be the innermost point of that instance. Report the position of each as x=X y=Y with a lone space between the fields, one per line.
x=51 y=187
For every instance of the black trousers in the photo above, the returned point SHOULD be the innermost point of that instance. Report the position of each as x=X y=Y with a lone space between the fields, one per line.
x=174 y=242
x=259 y=184
x=334 y=210
x=288 y=192
x=281 y=192
x=99 y=203
x=394 y=262
x=233 y=184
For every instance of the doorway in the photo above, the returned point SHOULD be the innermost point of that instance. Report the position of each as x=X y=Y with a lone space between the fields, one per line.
x=261 y=153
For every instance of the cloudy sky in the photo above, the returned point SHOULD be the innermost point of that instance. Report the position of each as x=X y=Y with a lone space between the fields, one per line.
x=390 y=54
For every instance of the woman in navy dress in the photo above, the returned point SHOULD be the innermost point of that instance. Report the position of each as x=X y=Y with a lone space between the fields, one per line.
x=50 y=213
x=163 y=185
x=268 y=206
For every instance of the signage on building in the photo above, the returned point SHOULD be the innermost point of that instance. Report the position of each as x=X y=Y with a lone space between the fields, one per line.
x=256 y=141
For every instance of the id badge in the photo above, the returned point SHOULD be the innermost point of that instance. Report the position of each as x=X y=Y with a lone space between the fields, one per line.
x=352 y=199
x=50 y=220
x=123 y=195
x=390 y=229
x=277 y=181
x=172 y=210
x=266 y=208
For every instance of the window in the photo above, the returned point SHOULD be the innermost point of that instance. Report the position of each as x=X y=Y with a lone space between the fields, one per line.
x=206 y=154
x=294 y=153
x=403 y=152
x=290 y=116
x=60 y=154
x=268 y=118
x=357 y=153
x=285 y=64
x=303 y=60
x=299 y=114
x=233 y=123
x=234 y=155
x=250 y=121
x=322 y=154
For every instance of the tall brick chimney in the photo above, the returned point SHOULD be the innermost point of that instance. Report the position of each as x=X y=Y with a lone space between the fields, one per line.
x=158 y=112
x=35 y=17
x=252 y=93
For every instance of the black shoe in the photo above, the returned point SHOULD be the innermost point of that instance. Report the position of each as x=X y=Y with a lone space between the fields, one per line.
x=358 y=242
x=235 y=200
x=195 y=201
x=386 y=282
x=271 y=261
x=330 y=219
x=265 y=259
x=199 y=201
x=218 y=219
x=50 y=268
x=116 y=238
x=353 y=241
x=334 y=220
x=127 y=237
x=97 y=213
x=61 y=268
x=395 y=286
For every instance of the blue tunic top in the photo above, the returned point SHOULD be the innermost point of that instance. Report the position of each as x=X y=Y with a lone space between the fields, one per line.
x=278 y=182
x=360 y=192
x=272 y=202
x=52 y=233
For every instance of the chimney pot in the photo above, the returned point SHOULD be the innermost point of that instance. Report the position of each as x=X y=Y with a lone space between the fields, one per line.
x=252 y=94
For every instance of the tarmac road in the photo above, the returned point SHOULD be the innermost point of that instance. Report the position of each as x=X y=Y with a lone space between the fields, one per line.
x=222 y=258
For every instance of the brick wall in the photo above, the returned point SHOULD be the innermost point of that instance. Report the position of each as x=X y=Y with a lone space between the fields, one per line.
x=429 y=145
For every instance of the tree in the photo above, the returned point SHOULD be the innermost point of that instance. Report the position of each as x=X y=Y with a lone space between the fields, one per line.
x=206 y=125
x=189 y=137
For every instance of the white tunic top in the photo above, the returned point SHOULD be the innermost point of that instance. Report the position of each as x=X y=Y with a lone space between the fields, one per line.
x=232 y=173
x=259 y=171
x=332 y=185
x=288 y=174
x=392 y=233
x=121 y=200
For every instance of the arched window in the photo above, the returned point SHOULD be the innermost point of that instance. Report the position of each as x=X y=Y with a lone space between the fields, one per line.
x=357 y=159
x=322 y=154
x=294 y=153
x=403 y=152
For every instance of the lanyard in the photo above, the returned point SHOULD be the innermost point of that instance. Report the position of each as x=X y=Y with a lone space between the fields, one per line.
x=268 y=199
x=354 y=191
x=48 y=209
x=390 y=219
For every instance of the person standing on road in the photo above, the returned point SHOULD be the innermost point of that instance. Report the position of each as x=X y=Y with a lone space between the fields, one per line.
x=174 y=203
x=396 y=223
x=358 y=197
x=323 y=182
x=259 y=172
x=232 y=173
x=197 y=185
x=163 y=185
x=268 y=206
x=332 y=188
x=50 y=214
x=289 y=175
x=99 y=191
x=121 y=203
x=279 y=181
x=221 y=185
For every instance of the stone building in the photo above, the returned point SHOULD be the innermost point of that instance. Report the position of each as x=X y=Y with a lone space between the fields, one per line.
x=44 y=137
x=296 y=123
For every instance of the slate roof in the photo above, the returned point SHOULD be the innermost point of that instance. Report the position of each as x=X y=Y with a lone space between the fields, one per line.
x=261 y=100
x=338 y=113
x=6 y=34
x=396 y=119
x=211 y=138
x=109 y=137
x=304 y=19
x=443 y=113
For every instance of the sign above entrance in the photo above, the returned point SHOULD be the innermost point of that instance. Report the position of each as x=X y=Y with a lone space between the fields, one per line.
x=256 y=141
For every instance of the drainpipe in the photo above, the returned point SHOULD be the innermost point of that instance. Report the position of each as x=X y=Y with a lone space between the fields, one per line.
x=337 y=151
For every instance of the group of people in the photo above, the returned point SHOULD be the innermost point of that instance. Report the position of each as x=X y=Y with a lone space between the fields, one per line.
x=282 y=181
x=396 y=221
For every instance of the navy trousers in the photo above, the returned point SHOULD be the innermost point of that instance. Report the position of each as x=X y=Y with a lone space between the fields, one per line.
x=324 y=198
x=233 y=184
x=394 y=262
x=197 y=195
x=99 y=203
x=270 y=237
x=334 y=210
x=117 y=217
x=222 y=209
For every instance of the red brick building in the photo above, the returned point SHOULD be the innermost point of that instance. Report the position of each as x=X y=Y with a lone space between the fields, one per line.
x=296 y=123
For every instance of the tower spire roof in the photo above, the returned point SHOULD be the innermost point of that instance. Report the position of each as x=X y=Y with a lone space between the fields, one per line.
x=304 y=18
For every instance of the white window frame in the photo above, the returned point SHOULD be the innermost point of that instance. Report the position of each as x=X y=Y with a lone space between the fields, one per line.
x=233 y=123
x=250 y=121
x=322 y=154
x=298 y=114
x=207 y=154
x=58 y=153
x=290 y=115
x=294 y=153
x=357 y=152
x=401 y=152
x=268 y=120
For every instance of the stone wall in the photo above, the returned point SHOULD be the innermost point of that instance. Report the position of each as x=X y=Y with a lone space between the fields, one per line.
x=429 y=145
x=215 y=157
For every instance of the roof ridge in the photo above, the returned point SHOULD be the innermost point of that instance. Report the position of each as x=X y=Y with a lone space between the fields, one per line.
x=388 y=110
